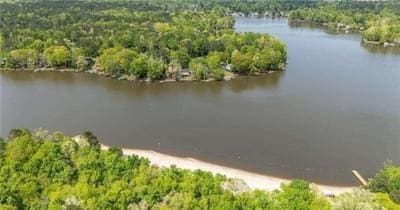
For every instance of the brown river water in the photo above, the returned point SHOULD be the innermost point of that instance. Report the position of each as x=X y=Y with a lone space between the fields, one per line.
x=334 y=109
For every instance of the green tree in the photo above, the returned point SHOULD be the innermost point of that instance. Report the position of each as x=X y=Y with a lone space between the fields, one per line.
x=155 y=69
x=38 y=45
x=214 y=62
x=139 y=66
x=57 y=56
x=116 y=60
x=241 y=62
x=298 y=195
x=262 y=61
x=91 y=138
x=387 y=180
x=356 y=199
x=199 y=69
x=16 y=132
x=20 y=149
x=384 y=200
x=52 y=171
x=372 y=34
x=23 y=58
x=50 y=164
x=2 y=147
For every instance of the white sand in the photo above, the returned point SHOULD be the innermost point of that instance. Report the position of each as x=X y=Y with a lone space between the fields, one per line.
x=253 y=180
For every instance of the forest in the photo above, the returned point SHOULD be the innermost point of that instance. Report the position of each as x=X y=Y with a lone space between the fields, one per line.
x=42 y=170
x=157 y=40
x=377 y=25
x=160 y=40
x=118 y=39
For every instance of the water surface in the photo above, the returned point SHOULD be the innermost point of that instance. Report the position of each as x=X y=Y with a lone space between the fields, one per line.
x=335 y=108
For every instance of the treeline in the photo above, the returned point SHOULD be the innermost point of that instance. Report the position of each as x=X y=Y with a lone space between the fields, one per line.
x=272 y=7
x=118 y=38
x=39 y=170
x=377 y=25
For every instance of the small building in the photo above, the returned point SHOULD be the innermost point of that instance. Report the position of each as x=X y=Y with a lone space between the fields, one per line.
x=185 y=72
x=3 y=62
x=228 y=67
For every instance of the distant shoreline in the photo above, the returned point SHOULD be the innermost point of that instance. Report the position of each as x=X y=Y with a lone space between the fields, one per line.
x=253 y=180
x=346 y=28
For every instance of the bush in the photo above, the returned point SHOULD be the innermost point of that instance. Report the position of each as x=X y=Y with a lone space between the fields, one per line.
x=384 y=200
x=139 y=66
x=199 y=69
x=356 y=199
x=23 y=58
x=387 y=180
x=57 y=56
x=116 y=60
x=16 y=132
x=91 y=138
x=155 y=69
x=37 y=172
x=298 y=195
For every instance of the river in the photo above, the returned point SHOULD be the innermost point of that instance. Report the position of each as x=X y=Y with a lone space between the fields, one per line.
x=334 y=109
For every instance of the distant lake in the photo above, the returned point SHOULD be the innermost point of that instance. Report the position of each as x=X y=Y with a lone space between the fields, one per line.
x=334 y=109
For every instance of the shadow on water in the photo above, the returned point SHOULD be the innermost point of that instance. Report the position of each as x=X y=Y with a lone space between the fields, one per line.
x=144 y=89
x=246 y=83
x=378 y=49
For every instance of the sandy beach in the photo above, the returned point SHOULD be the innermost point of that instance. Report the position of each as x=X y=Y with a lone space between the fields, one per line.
x=253 y=180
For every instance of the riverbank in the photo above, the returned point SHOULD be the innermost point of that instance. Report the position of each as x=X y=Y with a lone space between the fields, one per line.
x=331 y=26
x=341 y=27
x=227 y=75
x=385 y=44
x=253 y=180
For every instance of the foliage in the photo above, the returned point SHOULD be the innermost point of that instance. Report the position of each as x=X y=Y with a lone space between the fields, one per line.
x=384 y=200
x=138 y=66
x=138 y=38
x=241 y=62
x=174 y=70
x=378 y=25
x=387 y=180
x=356 y=199
x=57 y=56
x=52 y=171
x=2 y=147
x=199 y=69
x=91 y=138
x=215 y=61
x=15 y=132
x=299 y=195
x=23 y=58
x=40 y=170
x=155 y=69
x=115 y=60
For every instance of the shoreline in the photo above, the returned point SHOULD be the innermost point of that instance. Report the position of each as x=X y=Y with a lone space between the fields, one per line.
x=346 y=29
x=252 y=179
x=124 y=77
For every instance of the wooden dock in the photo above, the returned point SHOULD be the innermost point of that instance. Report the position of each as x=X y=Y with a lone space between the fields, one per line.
x=359 y=177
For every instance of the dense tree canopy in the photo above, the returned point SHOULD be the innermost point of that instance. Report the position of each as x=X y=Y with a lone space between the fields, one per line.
x=156 y=40
x=39 y=170
x=118 y=35
x=387 y=181
x=378 y=25
x=121 y=39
